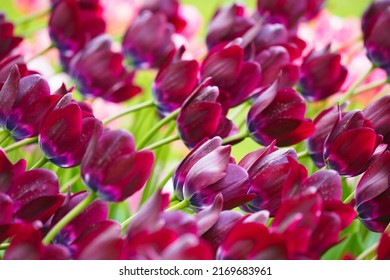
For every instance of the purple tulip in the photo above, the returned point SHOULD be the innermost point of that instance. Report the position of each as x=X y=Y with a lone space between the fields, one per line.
x=174 y=82
x=378 y=112
x=384 y=247
x=8 y=41
x=6 y=65
x=208 y=170
x=203 y=115
x=317 y=65
x=226 y=66
x=113 y=168
x=24 y=103
x=66 y=131
x=72 y=24
x=376 y=19
x=289 y=12
x=324 y=124
x=279 y=115
x=148 y=41
x=267 y=169
x=227 y=24
x=373 y=194
x=351 y=144
x=170 y=8
x=89 y=69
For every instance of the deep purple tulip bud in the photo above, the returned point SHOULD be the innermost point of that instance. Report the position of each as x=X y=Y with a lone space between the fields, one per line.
x=7 y=39
x=253 y=241
x=123 y=170
x=27 y=245
x=203 y=115
x=376 y=19
x=228 y=70
x=373 y=194
x=206 y=171
x=384 y=247
x=227 y=24
x=279 y=115
x=170 y=8
x=175 y=81
x=289 y=12
x=6 y=65
x=66 y=131
x=324 y=124
x=378 y=112
x=89 y=69
x=321 y=75
x=148 y=41
x=267 y=169
x=351 y=144
x=24 y=103
x=72 y=24
x=276 y=64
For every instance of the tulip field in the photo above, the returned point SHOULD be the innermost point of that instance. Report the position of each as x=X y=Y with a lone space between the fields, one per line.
x=194 y=130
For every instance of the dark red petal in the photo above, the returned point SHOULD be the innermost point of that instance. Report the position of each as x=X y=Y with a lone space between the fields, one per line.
x=8 y=94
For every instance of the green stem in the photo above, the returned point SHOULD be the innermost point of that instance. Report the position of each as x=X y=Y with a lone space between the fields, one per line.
x=42 y=52
x=236 y=137
x=43 y=160
x=69 y=217
x=157 y=127
x=350 y=197
x=368 y=252
x=387 y=230
x=126 y=222
x=32 y=17
x=4 y=246
x=352 y=89
x=371 y=86
x=65 y=186
x=166 y=178
x=163 y=142
x=129 y=110
x=303 y=154
x=21 y=143
x=4 y=135
x=181 y=205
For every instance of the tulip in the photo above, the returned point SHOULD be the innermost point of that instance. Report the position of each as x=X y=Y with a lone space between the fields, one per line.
x=206 y=171
x=373 y=195
x=174 y=82
x=279 y=115
x=378 y=112
x=66 y=131
x=72 y=24
x=89 y=69
x=148 y=41
x=384 y=247
x=113 y=168
x=343 y=149
x=203 y=115
x=8 y=41
x=170 y=8
x=227 y=24
x=289 y=12
x=228 y=70
x=24 y=103
x=376 y=19
x=317 y=65
x=6 y=65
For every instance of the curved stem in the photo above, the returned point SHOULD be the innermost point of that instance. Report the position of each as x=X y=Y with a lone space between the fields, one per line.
x=371 y=86
x=69 y=217
x=236 y=137
x=163 y=142
x=129 y=110
x=73 y=180
x=21 y=143
x=303 y=154
x=166 y=178
x=4 y=246
x=181 y=205
x=350 y=197
x=32 y=17
x=4 y=135
x=352 y=89
x=42 y=52
x=126 y=222
x=41 y=162
x=157 y=127
x=368 y=252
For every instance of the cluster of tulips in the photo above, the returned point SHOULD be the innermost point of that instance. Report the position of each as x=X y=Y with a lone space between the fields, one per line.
x=314 y=178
